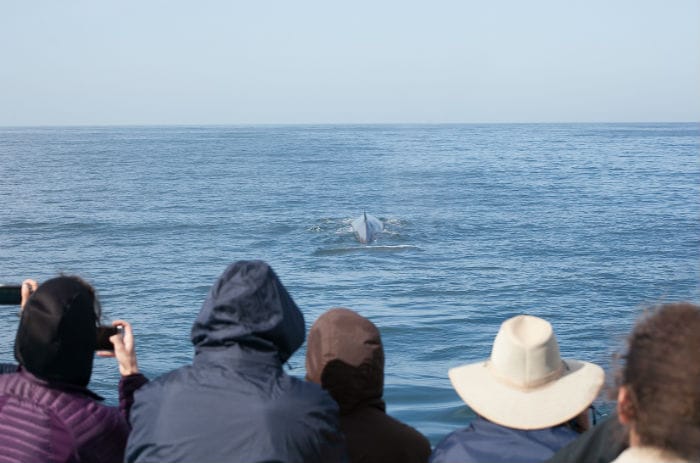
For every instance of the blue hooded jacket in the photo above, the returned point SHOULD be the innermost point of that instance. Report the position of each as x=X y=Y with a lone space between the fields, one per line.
x=235 y=403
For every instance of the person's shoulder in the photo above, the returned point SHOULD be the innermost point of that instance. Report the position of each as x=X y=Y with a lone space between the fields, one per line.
x=305 y=390
x=449 y=448
x=478 y=431
x=32 y=392
x=372 y=426
x=315 y=399
x=408 y=433
x=163 y=381
x=155 y=391
x=298 y=398
x=85 y=415
x=390 y=427
x=7 y=379
x=457 y=435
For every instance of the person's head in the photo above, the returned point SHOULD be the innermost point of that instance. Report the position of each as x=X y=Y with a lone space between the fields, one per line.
x=525 y=384
x=659 y=383
x=344 y=355
x=249 y=306
x=56 y=337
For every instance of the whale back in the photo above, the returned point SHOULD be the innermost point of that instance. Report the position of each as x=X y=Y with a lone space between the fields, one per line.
x=366 y=227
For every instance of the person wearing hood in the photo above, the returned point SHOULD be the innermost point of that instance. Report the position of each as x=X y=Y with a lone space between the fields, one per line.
x=345 y=356
x=235 y=403
x=47 y=413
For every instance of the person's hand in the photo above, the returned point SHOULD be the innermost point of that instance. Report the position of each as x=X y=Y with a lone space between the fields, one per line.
x=124 y=349
x=28 y=287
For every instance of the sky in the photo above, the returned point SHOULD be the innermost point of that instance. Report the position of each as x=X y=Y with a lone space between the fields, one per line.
x=163 y=62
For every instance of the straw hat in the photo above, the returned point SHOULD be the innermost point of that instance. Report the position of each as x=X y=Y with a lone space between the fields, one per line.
x=526 y=384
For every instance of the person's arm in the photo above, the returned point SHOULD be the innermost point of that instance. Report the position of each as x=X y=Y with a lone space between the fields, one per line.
x=125 y=353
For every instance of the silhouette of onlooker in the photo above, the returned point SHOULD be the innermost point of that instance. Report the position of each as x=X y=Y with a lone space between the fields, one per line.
x=528 y=400
x=47 y=414
x=659 y=387
x=235 y=403
x=345 y=355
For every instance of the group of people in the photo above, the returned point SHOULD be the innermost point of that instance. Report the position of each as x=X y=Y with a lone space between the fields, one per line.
x=235 y=402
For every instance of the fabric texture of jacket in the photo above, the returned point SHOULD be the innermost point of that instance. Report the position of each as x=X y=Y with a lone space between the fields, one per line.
x=235 y=403
x=600 y=444
x=484 y=441
x=42 y=422
x=345 y=355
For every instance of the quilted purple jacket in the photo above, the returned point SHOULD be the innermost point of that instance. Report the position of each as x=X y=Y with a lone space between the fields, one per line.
x=45 y=423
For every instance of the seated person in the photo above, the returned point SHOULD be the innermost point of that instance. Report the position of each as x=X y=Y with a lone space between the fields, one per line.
x=345 y=356
x=659 y=393
x=47 y=414
x=529 y=401
x=235 y=402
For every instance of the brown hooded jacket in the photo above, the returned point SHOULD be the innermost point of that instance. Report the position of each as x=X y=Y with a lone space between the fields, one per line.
x=345 y=356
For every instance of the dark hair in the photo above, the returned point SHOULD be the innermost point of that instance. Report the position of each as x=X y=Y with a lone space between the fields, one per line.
x=56 y=337
x=92 y=292
x=662 y=374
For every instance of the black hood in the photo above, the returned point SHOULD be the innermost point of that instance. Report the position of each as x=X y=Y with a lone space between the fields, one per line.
x=249 y=306
x=56 y=337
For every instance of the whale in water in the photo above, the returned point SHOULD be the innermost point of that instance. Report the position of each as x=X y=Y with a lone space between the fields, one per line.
x=366 y=228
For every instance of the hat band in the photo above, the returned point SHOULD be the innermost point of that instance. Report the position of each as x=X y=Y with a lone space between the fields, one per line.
x=526 y=385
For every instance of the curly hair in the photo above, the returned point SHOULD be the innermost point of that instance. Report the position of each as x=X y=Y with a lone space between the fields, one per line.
x=662 y=374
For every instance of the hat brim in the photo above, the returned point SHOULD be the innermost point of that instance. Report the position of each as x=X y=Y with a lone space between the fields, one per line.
x=549 y=405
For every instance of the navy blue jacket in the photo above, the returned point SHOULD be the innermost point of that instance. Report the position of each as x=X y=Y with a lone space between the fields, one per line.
x=483 y=441
x=235 y=403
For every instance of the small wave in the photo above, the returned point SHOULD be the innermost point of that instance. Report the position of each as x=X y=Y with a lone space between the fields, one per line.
x=353 y=249
x=393 y=247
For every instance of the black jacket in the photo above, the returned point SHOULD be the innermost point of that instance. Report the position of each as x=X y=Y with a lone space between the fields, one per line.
x=235 y=403
x=600 y=444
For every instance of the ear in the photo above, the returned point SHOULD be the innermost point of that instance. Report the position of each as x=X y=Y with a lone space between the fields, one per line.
x=625 y=411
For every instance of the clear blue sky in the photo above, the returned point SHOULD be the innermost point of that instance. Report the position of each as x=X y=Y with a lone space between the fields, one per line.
x=248 y=62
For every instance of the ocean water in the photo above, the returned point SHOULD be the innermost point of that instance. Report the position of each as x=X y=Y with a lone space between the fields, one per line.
x=582 y=224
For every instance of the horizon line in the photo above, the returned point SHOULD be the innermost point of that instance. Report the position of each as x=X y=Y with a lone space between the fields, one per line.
x=308 y=124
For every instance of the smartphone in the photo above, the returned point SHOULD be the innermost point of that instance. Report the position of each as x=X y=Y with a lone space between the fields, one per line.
x=103 y=334
x=10 y=294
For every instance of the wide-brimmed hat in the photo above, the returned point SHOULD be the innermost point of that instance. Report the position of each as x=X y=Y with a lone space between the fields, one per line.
x=526 y=384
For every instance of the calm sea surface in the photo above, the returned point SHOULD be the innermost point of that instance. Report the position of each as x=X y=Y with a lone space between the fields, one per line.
x=582 y=224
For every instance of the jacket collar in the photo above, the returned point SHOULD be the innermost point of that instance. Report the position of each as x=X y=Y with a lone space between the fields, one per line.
x=66 y=387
